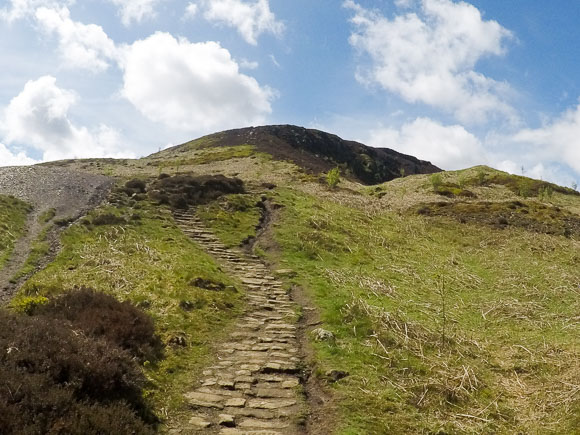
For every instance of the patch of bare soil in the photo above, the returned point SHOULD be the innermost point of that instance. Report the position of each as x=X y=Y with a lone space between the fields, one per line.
x=70 y=193
x=322 y=406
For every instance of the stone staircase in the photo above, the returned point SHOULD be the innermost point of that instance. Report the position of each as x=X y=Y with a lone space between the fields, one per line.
x=254 y=385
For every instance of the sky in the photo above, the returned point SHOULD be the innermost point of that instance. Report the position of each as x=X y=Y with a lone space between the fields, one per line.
x=454 y=82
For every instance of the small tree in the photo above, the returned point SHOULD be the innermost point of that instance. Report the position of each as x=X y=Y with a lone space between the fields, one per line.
x=574 y=185
x=402 y=172
x=333 y=177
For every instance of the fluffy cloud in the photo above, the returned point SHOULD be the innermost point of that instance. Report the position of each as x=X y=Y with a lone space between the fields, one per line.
x=38 y=117
x=18 y=9
x=429 y=55
x=135 y=10
x=449 y=147
x=191 y=86
x=81 y=45
x=557 y=141
x=9 y=158
x=251 y=19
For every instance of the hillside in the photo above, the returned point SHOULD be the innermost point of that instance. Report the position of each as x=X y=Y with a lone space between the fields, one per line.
x=438 y=302
x=313 y=150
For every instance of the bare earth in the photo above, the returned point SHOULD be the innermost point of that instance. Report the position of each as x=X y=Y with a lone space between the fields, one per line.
x=70 y=193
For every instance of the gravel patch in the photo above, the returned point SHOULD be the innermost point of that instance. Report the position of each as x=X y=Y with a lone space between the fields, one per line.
x=70 y=193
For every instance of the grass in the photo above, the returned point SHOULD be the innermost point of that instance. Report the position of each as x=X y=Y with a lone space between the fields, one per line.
x=13 y=214
x=233 y=218
x=38 y=251
x=150 y=262
x=209 y=155
x=443 y=328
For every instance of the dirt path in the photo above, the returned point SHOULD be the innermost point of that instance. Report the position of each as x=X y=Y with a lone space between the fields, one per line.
x=254 y=386
x=70 y=193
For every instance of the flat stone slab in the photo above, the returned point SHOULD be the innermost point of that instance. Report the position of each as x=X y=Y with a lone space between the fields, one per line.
x=275 y=392
x=253 y=423
x=199 y=422
x=270 y=403
x=205 y=397
x=236 y=402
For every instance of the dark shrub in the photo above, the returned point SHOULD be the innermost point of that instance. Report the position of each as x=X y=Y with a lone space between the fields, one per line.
x=138 y=186
x=108 y=219
x=54 y=380
x=182 y=191
x=99 y=315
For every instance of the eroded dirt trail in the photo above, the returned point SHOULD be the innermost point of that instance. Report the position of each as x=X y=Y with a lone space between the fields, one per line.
x=254 y=385
x=70 y=194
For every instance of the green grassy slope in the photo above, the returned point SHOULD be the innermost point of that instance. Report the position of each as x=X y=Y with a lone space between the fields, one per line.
x=141 y=256
x=443 y=327
x=13 y=214
x=455 y=308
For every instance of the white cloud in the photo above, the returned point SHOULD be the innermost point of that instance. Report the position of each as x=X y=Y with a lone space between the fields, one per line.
x=251 y=19
x=557 y=141
x=191 y=10
x=18 y=9
x=429 y=56
x=135 y=10
x=38 y=117
x=248 y=64
x=10 y=158
x=191 y=86
x=80 y=45
x=449 y=147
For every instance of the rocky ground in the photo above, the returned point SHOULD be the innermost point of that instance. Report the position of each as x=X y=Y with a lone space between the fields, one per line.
x=70 y=193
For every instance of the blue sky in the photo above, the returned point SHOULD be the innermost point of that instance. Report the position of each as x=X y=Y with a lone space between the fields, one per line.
x=458 y=83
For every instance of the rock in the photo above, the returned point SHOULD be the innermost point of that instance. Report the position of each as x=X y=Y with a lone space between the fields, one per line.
x=236 y=402
x=335 y=375
x=177 y=340
x=270 y=403
x=289 y=273
x=199 y=422
x=253 y=423
x=226 y=420
x=205 y=397
x=292 y=383
x=274 y=392
x=322 y=335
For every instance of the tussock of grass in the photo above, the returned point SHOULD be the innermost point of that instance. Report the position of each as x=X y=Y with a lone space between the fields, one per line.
x=442 y=327
x=151 y=263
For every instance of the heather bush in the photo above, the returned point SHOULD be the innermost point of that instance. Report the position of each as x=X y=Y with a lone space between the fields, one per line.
x=182 y=191
x=100 y=315
x=55 y=380
x=108 y=219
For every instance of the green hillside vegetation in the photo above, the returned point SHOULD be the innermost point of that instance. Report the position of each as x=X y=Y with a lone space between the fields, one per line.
x=134 y=251
x=13 y=214
x=452 y=298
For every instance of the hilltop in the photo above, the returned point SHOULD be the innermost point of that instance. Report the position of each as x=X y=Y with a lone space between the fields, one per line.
x=313 y=150
x=404 y=300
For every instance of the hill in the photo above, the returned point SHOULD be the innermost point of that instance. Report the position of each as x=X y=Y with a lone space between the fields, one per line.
x=439 y=302
x=313 y=150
